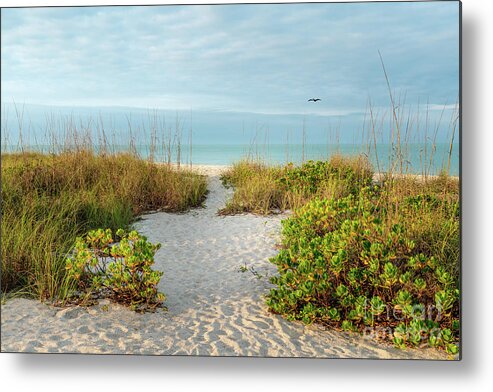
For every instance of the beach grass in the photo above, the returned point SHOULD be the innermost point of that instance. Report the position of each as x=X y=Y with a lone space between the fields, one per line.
x=263 y=189
x=50 y=199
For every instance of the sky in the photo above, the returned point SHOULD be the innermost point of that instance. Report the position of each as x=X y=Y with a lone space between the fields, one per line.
x=264 y=59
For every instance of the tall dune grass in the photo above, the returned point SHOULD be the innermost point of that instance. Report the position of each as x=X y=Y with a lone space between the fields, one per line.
x=49 y=199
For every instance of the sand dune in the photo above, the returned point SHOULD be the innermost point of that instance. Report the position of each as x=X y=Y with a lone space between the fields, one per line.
x=214 y=308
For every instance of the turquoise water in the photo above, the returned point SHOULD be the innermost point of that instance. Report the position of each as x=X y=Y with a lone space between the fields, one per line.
x=416 y=158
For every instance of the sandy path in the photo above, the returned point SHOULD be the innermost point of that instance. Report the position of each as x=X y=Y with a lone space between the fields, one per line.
x=214 y=309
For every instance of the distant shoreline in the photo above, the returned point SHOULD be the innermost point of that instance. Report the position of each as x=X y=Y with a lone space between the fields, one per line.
x=216 y=170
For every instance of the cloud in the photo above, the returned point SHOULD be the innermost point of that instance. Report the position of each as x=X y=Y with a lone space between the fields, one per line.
x=258 y=58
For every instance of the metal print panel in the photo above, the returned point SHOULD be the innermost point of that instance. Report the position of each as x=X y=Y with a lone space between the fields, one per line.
x=264 y=180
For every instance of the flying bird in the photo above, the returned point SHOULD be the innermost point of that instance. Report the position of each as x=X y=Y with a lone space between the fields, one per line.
x=314 y=99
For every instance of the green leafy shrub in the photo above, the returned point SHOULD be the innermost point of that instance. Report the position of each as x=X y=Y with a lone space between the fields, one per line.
x=121 y=270
x=354 y=263
x=351 y=173
x=262 y=189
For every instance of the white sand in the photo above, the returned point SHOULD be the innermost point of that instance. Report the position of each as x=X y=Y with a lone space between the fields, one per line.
x=214 y=309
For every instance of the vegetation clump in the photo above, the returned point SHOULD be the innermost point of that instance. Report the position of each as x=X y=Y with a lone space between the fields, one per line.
x=265 y=189
x=313 y=176
x=48 y=200
x=380 y=260
x=116 y=266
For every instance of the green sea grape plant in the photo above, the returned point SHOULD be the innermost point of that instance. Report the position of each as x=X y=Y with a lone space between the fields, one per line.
x=266 y=189
x=351 y=174
x=118 y=266
x=343 y=262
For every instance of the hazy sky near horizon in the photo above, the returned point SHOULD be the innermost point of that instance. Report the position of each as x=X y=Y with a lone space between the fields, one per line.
x=251 y=58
